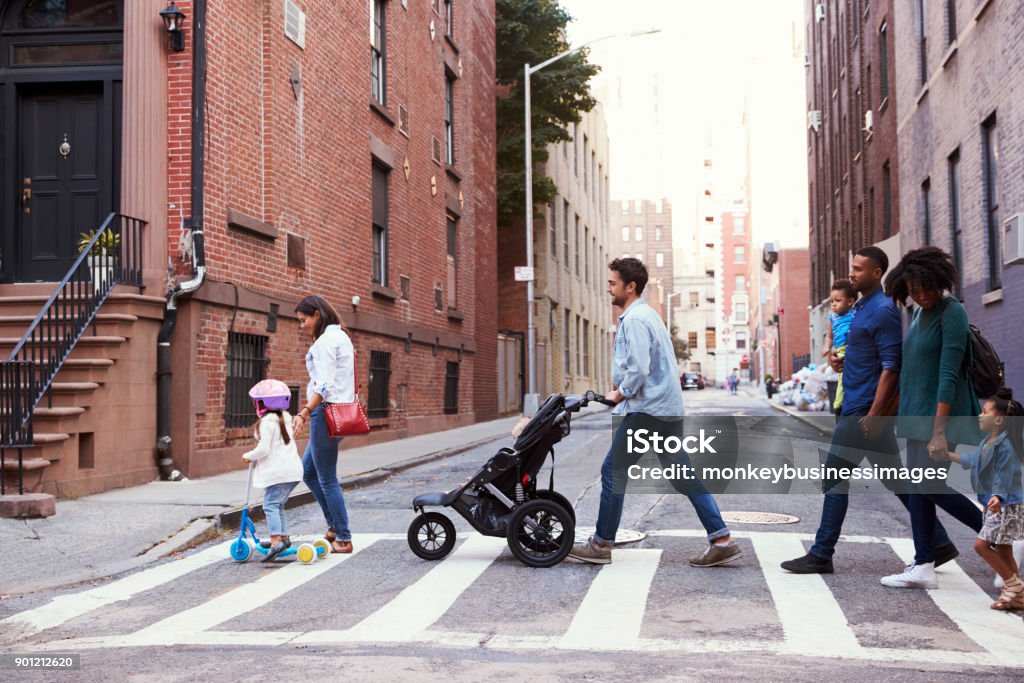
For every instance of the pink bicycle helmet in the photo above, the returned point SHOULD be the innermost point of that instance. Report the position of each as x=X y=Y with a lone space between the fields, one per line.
x=274 y=394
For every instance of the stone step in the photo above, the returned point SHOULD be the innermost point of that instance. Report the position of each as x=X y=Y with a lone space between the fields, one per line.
x=107 y=324
x=57 y=419
x=69 y=394
x=121 y=300
x=99 y=346
x=87 y=370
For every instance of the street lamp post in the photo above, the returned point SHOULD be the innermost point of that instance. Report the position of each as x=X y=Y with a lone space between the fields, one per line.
x=531 y=400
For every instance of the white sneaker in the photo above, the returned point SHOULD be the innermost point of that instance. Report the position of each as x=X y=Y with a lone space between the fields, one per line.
x=914 y=576
x=1018 y=557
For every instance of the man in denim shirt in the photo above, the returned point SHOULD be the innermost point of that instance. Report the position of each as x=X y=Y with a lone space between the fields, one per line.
x=871 y=368
x=647 y=395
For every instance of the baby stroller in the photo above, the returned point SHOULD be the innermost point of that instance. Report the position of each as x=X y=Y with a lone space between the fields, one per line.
x=503 y=500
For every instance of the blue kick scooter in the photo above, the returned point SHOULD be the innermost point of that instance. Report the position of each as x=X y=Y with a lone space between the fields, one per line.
x=242 y=547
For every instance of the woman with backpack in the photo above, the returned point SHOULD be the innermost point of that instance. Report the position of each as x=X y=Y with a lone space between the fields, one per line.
x=938 y=408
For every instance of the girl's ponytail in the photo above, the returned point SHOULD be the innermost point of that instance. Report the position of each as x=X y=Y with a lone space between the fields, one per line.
x=284 y=428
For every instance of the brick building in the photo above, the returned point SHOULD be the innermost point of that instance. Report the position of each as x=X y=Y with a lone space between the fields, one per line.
x=345 y=149
x=784 y=343
x=959 y=83
x=852 y=117
x=571 y=315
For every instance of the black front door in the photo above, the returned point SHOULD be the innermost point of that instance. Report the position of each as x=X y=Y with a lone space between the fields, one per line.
x=64 y=173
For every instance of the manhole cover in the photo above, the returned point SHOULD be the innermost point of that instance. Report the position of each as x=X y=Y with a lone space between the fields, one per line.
x=759 y=518
x=623 y=536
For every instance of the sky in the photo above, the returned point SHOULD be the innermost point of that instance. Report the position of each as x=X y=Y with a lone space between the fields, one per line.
x=677 y=97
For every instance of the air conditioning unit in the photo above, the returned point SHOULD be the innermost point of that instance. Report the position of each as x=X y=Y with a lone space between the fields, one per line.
x=814 y=119
x=1013 y=240
x=869 y=121
x=819 y=12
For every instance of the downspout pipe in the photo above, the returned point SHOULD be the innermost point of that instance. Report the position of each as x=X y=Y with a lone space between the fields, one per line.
x=165 y=461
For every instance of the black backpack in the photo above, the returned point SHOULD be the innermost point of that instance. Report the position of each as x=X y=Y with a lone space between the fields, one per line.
x=984 y=368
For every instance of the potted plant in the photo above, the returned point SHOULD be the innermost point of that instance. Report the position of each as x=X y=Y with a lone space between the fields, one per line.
x=103 y=256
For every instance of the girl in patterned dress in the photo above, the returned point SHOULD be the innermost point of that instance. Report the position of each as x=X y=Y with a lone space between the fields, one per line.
x=996 y=476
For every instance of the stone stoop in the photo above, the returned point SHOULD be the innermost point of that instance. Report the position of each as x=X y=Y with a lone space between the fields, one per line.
x=96 y=429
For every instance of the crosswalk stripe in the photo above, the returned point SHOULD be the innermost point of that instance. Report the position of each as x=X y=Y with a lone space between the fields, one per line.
x=417 y=607
x=967 y=605
x=179 y=627
x=612 y=612
x=66 y=607
x=812 y=620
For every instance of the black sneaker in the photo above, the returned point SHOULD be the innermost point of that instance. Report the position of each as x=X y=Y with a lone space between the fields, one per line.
x=808 y=564
x=945 y=553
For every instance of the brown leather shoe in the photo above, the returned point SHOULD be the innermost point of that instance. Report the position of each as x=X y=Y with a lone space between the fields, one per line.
x=331 y=535
x=341 y=547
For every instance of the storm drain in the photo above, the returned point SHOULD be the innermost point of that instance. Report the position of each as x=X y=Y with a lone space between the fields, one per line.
x=759 y=518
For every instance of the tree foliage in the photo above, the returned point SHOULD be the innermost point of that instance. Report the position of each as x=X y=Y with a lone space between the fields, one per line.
x=531 y=32
x=681 y=348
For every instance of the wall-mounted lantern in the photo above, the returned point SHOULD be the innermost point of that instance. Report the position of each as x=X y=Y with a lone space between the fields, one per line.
x=174 y=22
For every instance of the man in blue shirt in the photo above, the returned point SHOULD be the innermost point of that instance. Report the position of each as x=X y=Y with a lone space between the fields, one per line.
x=647 y=395
x=871 y=368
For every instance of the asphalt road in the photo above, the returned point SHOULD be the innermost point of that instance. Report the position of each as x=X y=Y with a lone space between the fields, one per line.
x=384 y=614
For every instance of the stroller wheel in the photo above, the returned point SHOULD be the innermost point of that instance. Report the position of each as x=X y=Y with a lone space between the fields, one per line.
x=548 y=494
x=541 y=533
x=431 y=536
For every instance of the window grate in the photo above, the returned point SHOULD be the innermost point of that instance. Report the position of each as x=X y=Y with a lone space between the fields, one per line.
x=380 y=376
x=451 y=389
x=246 y=362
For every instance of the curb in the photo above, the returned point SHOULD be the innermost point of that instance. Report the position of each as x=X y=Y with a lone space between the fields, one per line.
x=230 y=519
x=827 y=431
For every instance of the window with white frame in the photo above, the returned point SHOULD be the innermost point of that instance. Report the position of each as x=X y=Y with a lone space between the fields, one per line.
x=659 y=259
x=378 y=55
x=638 y=234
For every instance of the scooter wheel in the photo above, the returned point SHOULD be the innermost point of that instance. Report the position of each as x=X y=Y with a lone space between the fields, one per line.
x=241 y=549
x=431 y=536
x=323 y=547
x=541 y=533
x=306 y=554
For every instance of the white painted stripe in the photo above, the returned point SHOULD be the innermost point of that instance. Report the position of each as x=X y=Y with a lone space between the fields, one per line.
x=184 y=626
x=967 y=605
x=699 y=533
x=610 y=615
x=811 y=619
x=66 y=607
x=425 y=601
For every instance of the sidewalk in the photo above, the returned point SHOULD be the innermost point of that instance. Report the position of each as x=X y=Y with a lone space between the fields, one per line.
x=108 y=533
x=822 y=421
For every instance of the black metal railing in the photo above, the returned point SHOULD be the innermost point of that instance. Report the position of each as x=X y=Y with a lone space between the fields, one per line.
x=111 y=255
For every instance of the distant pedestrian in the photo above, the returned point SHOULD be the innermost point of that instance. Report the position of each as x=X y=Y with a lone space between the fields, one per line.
x=648 y=396
x=734 y=381
x=871 y=375
x=996 y=476
x=938 y=408
x=330 y=363
x=276 y=465
x=841 y=299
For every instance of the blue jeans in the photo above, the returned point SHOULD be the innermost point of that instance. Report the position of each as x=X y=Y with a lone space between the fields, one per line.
x=320 y=473
x=849 y=448
x=274 y=498
x=610 y=511
x=922 y=505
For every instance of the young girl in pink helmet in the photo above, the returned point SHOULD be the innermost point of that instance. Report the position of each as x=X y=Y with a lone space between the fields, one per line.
x=277 y=467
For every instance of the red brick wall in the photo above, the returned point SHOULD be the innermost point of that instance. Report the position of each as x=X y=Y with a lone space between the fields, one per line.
x=303 y=165
x=794 y=292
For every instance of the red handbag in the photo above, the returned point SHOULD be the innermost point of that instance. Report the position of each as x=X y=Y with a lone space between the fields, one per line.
x=347 y=419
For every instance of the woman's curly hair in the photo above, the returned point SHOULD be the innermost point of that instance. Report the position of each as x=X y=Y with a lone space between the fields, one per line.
x=929 y=267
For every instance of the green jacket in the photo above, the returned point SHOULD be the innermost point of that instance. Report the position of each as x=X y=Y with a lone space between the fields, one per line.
x=933 y=372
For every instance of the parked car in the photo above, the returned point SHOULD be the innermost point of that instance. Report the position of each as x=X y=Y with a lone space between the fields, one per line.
x=691 y=380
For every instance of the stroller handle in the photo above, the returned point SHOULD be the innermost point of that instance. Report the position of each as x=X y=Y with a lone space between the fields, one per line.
x=593 y=396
